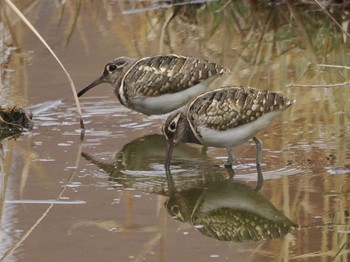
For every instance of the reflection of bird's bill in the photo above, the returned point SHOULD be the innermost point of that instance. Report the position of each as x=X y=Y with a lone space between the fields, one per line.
x=98 y=81
x=169 y=153
x=170 y=182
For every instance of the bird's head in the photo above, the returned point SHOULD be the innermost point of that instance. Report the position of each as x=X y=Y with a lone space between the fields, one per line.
x=173 y=130
x=111 y=73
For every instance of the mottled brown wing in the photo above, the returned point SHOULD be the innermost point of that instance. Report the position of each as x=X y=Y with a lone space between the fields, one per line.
x=230 y=107
x=166 y=74
x=239 y=225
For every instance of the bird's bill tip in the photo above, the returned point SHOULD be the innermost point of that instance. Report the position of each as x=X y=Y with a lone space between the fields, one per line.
x=169 y=153
x=98 y=81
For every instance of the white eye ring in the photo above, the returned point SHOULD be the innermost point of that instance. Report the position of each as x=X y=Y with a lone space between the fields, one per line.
x=111 y=68
x=172 y=126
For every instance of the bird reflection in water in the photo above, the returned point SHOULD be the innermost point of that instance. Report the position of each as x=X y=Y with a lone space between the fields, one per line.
x=228 y=211
x=203 y=195
x=143 y=160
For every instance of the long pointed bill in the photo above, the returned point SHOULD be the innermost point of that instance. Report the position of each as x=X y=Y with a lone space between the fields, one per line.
x=169 y=153
x=98 y=81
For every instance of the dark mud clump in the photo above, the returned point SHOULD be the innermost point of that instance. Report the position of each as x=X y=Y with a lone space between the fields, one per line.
x=14 y=120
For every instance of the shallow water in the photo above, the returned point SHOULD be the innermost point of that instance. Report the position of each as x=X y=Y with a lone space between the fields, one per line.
x=107 y=197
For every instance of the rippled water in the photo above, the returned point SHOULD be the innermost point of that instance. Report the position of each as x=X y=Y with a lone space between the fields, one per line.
x=107 y=197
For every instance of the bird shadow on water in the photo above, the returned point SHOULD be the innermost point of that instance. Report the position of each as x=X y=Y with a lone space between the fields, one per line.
x=199 y=193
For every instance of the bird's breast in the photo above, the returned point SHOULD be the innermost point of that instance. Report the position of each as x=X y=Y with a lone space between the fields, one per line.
x=161 y=104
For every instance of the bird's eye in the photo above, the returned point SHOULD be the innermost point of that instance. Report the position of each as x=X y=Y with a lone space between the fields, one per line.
x=111 y=68
x=175 y=210
x=172 y=126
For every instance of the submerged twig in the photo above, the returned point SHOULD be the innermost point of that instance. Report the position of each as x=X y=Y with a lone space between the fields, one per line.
x=25 y=20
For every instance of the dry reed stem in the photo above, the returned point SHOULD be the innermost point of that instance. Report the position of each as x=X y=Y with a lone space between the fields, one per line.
x=25 y=20
x=334 y=66
x=334 y=20
x=321 y=86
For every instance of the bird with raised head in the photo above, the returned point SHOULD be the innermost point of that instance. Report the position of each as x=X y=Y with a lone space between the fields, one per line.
x=158 y=84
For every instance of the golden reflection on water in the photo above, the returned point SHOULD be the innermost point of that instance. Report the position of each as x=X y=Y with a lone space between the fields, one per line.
x=270 y=47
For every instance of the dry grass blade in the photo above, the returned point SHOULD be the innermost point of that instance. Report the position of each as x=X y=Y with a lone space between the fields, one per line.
x=334 y=66
x=25 y=20
x=321 y=86
x=334 y=20
x=340 y=250
x=324 y=85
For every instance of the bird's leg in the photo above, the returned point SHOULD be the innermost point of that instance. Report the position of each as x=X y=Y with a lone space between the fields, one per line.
x=230 y=172
x=204 y=151
x=258 y=144
x=258 y=161
x=260 y=181
x=230 y=158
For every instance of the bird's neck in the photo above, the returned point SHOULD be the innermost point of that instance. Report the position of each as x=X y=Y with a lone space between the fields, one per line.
x=188 y=135
x=119 y=91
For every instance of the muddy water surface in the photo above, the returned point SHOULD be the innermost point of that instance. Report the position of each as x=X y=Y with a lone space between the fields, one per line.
x=106 y=198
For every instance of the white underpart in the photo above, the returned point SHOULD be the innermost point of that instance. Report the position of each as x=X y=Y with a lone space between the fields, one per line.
x=168 y=102
x=236 y=136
